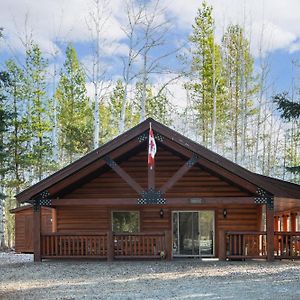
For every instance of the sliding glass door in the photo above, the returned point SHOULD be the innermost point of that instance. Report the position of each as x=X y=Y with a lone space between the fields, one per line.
x=193 y=233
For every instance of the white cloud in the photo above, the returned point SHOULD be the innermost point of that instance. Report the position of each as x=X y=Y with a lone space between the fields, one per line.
x=55 y=20
x=52 y=21
x=295 y=47
x=281 y=19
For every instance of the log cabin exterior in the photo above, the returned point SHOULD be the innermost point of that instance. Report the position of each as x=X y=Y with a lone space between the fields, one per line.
x=193 y=203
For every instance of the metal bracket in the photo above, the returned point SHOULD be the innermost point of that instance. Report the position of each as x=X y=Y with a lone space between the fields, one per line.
x=158 y=137
x=264 y=198
x=109 y=161
x=151 y=196
x=143 y=137
x=192 y=160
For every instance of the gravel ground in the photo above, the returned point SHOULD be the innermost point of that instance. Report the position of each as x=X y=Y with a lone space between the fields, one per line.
x=20 y=278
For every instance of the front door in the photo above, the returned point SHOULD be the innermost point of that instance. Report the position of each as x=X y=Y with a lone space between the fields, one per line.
x=193 y=233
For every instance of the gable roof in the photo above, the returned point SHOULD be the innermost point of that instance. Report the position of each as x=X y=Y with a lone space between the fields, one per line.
x=278 y=188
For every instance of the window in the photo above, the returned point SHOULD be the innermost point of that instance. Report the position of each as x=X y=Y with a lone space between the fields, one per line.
x=125 y=221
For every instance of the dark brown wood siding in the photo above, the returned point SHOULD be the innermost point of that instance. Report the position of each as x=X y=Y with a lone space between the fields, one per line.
x=86 y=218
x=24 y=228
x=151 y=220
x=238 y=218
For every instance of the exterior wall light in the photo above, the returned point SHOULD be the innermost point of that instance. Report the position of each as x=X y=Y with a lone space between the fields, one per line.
x=224 y=212
x=161 y=213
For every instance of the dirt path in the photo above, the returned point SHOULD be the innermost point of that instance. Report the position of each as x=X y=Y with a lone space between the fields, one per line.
x=20 y=278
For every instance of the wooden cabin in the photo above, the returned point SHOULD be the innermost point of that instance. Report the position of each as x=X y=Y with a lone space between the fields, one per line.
x=193 y=203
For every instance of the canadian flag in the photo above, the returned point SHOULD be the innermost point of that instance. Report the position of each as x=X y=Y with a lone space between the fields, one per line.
x=151 y=148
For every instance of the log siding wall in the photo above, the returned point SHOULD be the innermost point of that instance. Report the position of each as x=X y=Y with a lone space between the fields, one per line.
x=24 y=228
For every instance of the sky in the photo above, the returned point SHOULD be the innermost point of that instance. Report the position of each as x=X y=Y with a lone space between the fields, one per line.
x=272 y=27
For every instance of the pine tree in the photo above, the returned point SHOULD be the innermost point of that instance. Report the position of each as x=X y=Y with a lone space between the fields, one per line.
x=19 y=134
x=40 y=110
x=5 y=117
x=75 y=116
x=240 y=87
x=206 y=72
x=290 y=112
x=115 y=108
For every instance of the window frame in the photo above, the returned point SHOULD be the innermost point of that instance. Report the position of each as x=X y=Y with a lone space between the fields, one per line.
x=124 y=211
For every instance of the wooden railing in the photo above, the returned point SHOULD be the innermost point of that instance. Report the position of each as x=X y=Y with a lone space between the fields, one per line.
x=252 y=244
x=246 y=244
x=287 y=245
x=57 y=245
x=146 y=245
x=103 y=245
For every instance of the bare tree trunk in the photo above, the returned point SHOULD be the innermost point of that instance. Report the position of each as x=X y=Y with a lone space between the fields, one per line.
x=144 y=87
x=2 y=241
x=98 y=17
x=123 y=109
x=214 y=117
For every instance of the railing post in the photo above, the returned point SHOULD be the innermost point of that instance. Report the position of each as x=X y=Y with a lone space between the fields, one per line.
x=110 y=246
x=222 y=245
x=168 y=244
x=293 y=218
x=284 y=222
x=270 y=231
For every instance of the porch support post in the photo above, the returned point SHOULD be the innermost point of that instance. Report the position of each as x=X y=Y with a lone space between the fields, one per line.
x=37 y=232
x=222 y=245
x=276 y=227
x=285 y=222
x=110 y=246
x=168 y=243
x=293 y=218
x=54 y=220
x=270 y=231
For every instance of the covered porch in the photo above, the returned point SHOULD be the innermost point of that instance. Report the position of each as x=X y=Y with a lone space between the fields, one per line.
x=279 y=238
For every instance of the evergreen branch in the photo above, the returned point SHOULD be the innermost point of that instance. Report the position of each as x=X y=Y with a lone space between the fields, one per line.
x=289 y=109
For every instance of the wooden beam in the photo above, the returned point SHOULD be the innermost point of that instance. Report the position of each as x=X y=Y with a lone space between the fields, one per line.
x=179 y=174
x=270 y=232
x=37 y=234
x=170 y=201
x=94 y=201
x=124 y=175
